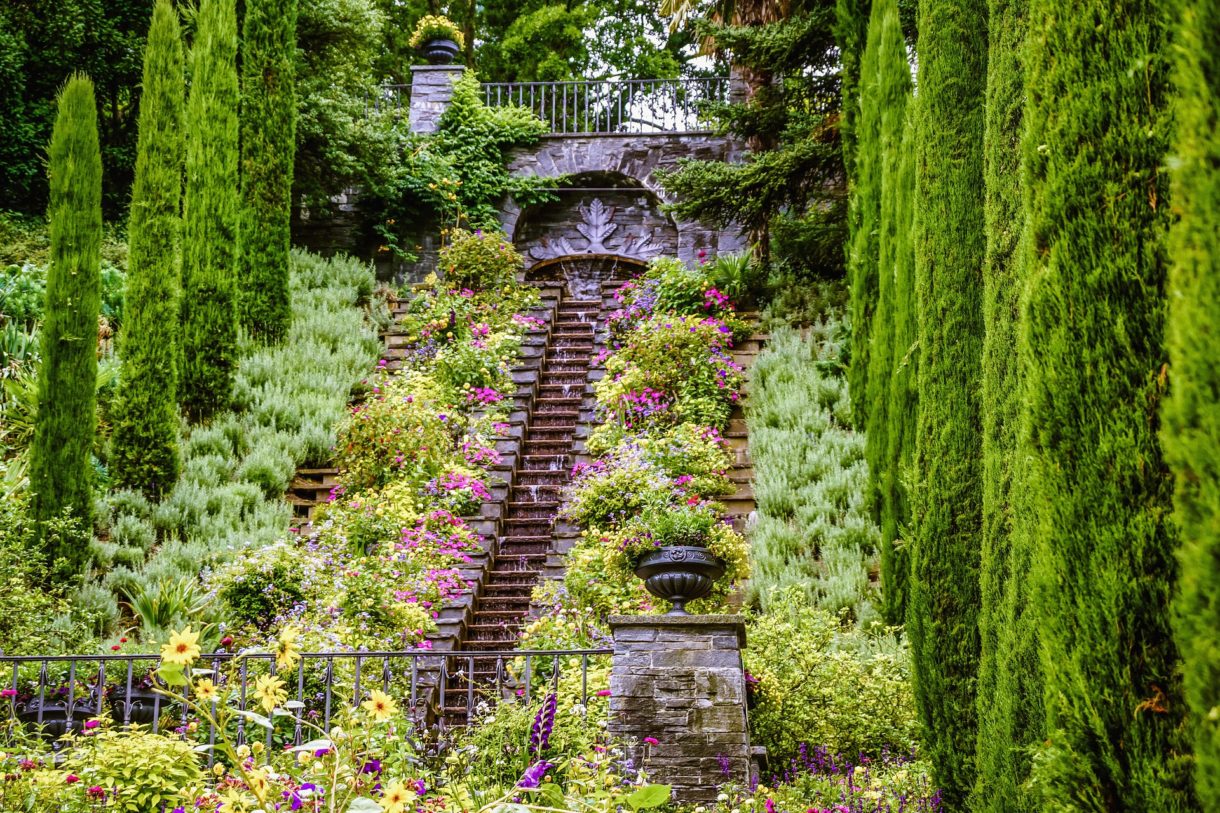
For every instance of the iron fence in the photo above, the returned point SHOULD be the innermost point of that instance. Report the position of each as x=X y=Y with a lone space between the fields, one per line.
x=618 y=106
x=615 y=106
x=59 y=694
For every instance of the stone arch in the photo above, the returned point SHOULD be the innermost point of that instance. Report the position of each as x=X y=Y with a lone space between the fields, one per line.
x=629 y=162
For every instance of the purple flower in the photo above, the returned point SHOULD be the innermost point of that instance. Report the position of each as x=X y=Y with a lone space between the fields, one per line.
x=372 y=766
x=532 y=777
x=544 y=722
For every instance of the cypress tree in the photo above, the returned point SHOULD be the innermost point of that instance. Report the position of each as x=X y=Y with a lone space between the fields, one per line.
x=145 y=437
x=1092 y=331
x=901 y=411
x=211 y=210
x=893 y=90
x=865 y=205
x=268 y=138
x=1192 y=418
x=851 y=30
x=949 y=249
x=1009 y=693
x=60 y=456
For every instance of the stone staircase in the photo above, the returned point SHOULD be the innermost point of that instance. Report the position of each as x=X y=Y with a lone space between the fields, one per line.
x=551 y=415
x=526 y=539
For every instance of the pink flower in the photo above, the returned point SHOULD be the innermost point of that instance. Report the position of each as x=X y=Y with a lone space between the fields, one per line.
x=96 y=792
x=604 y=693
x=652 y=741
x=71 y=779
x=8 y=693
x=91 y=724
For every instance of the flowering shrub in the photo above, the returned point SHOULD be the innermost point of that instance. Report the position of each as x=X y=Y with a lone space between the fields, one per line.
x=818 y=781
x=820 y=681
x=670 y=370
x=479 y=260
x=435 y=27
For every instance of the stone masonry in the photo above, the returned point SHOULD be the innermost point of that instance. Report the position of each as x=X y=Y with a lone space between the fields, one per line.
x=679 y=680
x=431 y=92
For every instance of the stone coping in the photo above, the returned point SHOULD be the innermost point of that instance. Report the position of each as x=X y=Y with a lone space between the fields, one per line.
x=694 y=623
x=439 y=68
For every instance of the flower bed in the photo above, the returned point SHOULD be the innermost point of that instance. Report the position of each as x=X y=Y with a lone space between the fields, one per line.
x=386 y=552
x=659 y=457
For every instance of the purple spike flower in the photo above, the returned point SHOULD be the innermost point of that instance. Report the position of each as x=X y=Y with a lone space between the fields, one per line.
x=544 y=722
x=532 y=777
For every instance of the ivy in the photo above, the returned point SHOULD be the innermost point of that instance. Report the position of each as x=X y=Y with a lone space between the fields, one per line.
x=458 y=176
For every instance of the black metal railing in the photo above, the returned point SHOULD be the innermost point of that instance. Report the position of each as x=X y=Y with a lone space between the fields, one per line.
x=389 y=100
x=615 y=106
x=59 y=694
x=593 y=106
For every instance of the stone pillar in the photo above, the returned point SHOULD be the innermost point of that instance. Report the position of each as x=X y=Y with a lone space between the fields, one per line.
x=431 y=91
x=679 y=680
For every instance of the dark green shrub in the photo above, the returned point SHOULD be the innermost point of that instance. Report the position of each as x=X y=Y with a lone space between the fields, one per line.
x=268 y=138
x=1010 y=689
x=60 y=456
x=211 y=211
x=1092 y=334
x=949 y=248
x=144 y=449
x=1192 y=423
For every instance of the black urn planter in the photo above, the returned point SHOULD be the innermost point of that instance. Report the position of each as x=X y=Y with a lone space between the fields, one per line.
x=146 y=706
x=52 y=718
x=441 y=51
x=679 y=574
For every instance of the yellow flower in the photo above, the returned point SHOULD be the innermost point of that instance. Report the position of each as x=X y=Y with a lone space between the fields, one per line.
x=286 y=651
x=206 y=691
x=395 y=798
x=380 y=706
x=270 y=691
x=182 y=649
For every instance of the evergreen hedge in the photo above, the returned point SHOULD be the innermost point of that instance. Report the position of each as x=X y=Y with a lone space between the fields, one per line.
x=865 y=203
x=949 y=249
x=1097 y=128
x=892 y=90
x=850 y=32
x=1192 y=412
x=210 y=215
x=268 y=139
x=144 y=447
x=1010 y=691
x=901 y=411
x=60 y=455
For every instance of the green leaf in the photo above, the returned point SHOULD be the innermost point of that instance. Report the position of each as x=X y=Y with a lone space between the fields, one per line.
x=552 y=796
x=314 y=745
x=256 y=718
x=363 y=805
x=648 y=796
x=172 y=673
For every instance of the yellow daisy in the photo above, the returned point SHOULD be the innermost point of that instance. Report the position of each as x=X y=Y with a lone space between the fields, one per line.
x=270 y=691
x=287 y=653
x=380 y=706
x=182 y=649
x=206 y=691
x=395 y=798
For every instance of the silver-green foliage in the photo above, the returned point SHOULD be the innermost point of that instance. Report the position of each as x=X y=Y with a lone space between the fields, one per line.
x=812 y=529
x=287 y=399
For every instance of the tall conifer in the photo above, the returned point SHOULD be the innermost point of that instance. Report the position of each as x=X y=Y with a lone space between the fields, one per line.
x=1097 y=130
x=949 y=249
x=892 y=90
x=268 y=139
x=865 y=212
x=1192 y=413
x=60 y=456
x=901 y=411
x=145 y=437
x=1010 y=690
x=211 y=211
